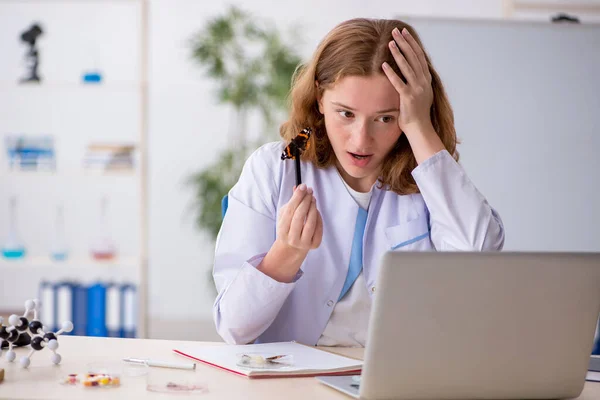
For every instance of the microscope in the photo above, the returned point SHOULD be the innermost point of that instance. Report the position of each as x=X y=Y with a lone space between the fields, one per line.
x=32 y=56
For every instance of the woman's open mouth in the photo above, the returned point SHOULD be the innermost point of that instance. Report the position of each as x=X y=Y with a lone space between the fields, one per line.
x=359 y=156
x=360 y=159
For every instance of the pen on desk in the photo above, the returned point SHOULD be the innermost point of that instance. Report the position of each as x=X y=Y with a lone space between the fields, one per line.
x=162 y=364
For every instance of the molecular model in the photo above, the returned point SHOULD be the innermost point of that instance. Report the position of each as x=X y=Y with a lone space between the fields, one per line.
x=40 y=338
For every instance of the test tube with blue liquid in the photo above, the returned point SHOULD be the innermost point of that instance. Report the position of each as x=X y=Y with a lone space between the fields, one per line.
x=13 y=247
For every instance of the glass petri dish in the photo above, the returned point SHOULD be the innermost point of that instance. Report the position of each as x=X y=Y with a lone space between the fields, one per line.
x=122 y=369
x=167 y=380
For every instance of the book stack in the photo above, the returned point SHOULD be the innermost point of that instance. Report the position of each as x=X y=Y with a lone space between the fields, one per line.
x=109 y=157
x=30 y=152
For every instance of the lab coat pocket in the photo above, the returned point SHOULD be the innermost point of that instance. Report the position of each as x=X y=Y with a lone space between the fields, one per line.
x=407 y=233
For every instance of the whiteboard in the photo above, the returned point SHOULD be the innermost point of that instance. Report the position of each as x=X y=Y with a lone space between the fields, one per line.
x=526 y=99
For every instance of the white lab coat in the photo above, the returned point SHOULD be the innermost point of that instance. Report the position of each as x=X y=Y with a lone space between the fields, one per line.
x=449 y=214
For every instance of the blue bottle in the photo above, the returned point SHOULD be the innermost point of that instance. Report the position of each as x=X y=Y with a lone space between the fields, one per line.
x=96 y=316
x=80 y=305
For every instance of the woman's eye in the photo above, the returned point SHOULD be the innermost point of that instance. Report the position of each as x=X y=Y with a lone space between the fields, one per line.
x=386 y=119
x=345 y=114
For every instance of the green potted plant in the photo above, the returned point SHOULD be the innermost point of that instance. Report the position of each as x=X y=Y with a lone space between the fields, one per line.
x=252 y=69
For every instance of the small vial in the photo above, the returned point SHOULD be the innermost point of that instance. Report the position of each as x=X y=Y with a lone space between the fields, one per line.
x=103 y=247
x=13 y=247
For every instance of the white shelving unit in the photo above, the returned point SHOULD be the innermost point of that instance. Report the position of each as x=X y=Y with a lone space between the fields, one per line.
x=72 y=173
x=586 y=10
x=33 y=262
x=111 y=36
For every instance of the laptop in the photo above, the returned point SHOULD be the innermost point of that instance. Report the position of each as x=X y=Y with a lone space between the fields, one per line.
x=492 y=325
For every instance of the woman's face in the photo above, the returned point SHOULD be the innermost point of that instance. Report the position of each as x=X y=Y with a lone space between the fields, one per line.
x=361 y=119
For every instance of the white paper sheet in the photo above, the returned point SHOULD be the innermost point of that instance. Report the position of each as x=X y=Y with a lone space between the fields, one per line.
x=305 y=358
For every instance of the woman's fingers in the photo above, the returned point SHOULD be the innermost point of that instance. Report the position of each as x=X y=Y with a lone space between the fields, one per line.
x=298 y=219
x=287 y=212
x=318 y=235
x=394 y=78
x=300 y=224
x=310 y=225
x=405 y=56
x=403 y=64
x=419 y=52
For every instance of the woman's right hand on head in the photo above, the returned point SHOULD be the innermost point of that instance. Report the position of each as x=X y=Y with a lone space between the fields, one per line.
x=299 y=224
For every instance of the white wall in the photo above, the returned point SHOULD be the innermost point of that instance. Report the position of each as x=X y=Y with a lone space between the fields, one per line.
x=525 y=99
x=187 y=128
x=78 y=36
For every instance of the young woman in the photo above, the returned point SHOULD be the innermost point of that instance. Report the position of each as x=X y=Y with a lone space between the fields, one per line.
x=381 y=174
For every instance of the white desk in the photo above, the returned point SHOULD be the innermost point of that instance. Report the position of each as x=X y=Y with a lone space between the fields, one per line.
x=40 y=381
